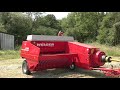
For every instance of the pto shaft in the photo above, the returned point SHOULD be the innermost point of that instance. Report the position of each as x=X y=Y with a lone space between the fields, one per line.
x=108 y=59
x=115 y=60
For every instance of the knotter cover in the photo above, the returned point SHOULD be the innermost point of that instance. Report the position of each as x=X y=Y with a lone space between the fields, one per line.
x=49 y=38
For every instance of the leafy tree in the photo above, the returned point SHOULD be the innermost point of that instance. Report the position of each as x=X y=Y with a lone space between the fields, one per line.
x=83 y=25
x=42 y=30
x=18 y=25
x=109 y=30
x=47 y=23
x=2 y=28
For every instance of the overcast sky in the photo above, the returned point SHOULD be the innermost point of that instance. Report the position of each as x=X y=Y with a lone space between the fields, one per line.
x=58 y=15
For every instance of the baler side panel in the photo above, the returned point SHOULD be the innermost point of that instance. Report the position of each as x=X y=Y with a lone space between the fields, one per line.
x=30 y=51
x=82 y=60
x=50 y=47
x=55 y=61
x=88 y=56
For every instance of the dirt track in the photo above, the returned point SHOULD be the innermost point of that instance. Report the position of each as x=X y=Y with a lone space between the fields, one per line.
x=12 y=69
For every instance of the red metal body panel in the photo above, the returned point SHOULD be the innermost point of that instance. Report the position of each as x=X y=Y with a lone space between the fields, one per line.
x=109 y=71
x=30 y=51
x=88 y=56
x=46 y=55
x=50 y=47
x=56 y=54
x=56 y=60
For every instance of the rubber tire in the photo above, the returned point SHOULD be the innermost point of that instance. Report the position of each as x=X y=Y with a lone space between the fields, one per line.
x=25 y=68
x=72 y=66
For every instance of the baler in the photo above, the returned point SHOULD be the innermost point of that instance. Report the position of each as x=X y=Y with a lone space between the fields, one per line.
x=46 y=52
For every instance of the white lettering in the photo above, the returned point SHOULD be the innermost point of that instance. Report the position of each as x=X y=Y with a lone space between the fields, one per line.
x=45 y=44
x=26 y=49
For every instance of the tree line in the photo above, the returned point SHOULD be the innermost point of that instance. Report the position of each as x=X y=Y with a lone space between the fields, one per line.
x=103 y=27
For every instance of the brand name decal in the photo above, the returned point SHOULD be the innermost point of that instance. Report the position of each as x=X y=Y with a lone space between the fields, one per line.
x=26 y=49
x=45 y=44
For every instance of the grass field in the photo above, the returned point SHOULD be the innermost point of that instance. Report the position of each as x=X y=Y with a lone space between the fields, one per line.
x=15 y=54
x=9 y=54
x=10 y=66
x=109 y=50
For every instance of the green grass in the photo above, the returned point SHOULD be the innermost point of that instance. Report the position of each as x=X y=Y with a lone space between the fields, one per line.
x=9 y=54
x=15 y=54
x=109 y=50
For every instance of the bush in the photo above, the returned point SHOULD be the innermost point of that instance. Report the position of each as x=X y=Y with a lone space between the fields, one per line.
x=110 y=36
x=109 y=50
x=42 y=30
x=109 y=32
x=117 y=33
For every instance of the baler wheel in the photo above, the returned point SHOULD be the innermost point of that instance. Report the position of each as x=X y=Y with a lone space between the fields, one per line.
x=72 y=66
x=25 y=68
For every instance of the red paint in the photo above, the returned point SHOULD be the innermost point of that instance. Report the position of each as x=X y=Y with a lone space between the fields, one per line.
x=45 y=55
x=86 y=57
x=109 y=71
x=57 y=54
x=53 y=54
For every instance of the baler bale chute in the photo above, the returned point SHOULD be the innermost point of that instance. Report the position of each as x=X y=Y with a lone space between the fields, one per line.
x=46 y=52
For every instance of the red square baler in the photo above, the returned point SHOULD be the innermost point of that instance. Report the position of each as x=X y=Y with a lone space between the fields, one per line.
x=46 y=52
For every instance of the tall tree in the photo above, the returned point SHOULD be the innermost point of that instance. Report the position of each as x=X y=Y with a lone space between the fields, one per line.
x=46 y=24
x=17 y=24
x=109 y=29
x=2 y=28
x=82 y=25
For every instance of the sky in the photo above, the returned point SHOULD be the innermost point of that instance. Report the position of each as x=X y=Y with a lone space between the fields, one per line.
x=58 y=15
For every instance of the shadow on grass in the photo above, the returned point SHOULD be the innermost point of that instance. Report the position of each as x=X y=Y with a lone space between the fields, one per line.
x=66 y=73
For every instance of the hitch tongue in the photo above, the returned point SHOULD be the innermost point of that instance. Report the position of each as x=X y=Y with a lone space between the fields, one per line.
x=108 y=59
x=115 y=60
